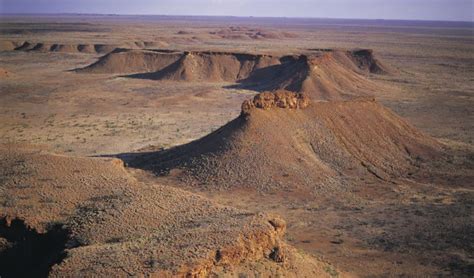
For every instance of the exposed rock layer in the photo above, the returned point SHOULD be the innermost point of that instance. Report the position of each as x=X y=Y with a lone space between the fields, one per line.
x=278 y=99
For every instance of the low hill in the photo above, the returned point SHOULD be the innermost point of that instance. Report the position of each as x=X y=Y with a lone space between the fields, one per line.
x=64 y=48
x=131 y=61
x=283 y=140
x=322 y=74
x=9 y=45
x=81 y=47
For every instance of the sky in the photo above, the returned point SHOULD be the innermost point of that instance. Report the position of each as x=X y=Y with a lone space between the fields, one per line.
x=452 y=10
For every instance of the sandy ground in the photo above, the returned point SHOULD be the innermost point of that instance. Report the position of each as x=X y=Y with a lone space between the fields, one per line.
x=433 y=84
x=394 y=233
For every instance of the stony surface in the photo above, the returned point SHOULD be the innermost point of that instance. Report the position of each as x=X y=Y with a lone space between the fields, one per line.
x=117 y=226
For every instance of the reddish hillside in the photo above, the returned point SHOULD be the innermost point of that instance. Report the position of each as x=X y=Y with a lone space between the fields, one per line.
x=281 y=141
x=328 y=74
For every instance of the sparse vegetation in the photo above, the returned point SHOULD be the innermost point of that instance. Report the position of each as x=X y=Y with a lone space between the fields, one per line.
x=372 y=193
x=331 y=271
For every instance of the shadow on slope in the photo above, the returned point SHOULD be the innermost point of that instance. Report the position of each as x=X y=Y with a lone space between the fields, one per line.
x=28 y=253
x=322 y=74
x=276 y=143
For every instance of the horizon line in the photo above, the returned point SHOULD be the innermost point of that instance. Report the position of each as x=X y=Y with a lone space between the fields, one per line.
x=235 y=16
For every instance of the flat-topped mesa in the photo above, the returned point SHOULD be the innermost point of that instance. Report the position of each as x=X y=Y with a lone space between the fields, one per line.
x=276 y=145
x=320 y=74
x=76 y=47
x=278 y=99
x=61 y=47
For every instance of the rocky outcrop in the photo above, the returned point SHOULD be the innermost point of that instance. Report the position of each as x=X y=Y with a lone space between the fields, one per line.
x=278 y=99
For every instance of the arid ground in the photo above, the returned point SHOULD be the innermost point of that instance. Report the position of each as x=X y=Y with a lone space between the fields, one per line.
x=236 y=147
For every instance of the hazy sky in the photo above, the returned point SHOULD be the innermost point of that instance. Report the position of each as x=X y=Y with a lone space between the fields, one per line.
x=375 y=9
